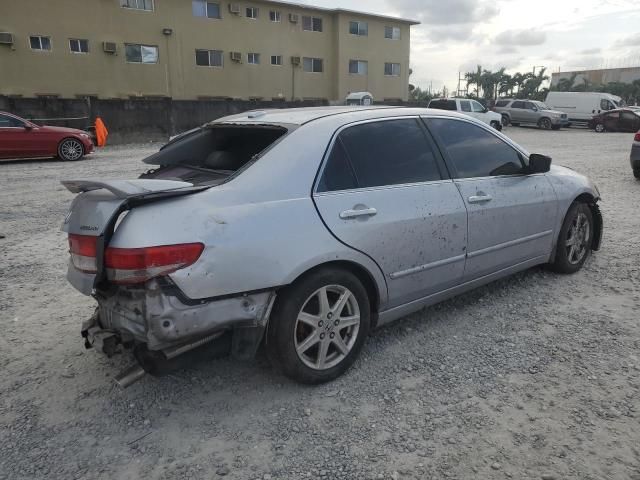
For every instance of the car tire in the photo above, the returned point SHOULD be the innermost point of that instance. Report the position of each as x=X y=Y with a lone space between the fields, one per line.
x=555 y=127
x=515 y=124
x=505 y=120
x=497 y=125
x=636 y=173
x=600 y=128
x=70 y=150
x=310 y=337
x=545 y=124
x=575 y=240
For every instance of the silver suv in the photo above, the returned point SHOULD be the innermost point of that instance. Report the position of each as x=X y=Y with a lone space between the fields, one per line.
x=530 y=112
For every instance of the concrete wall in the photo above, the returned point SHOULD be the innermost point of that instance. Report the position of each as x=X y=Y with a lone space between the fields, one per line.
x=139 y=120
x=599 y=77
x=60 y=72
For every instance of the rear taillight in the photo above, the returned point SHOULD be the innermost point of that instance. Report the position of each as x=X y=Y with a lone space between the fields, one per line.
x=637 y=137
x=127 y=266
x=83 y=250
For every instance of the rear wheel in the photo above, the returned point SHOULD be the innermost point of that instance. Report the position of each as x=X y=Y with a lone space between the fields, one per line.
x=636 y=173
x=600 y=128
x=319 y=326
x=505 y=120
x=575 y=239
x=545 y=124
x=70 y=149
x=555 y=127
x=496 y=125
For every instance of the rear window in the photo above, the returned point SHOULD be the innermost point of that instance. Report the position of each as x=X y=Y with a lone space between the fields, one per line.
x=502 y=103
x=213 y=154
x=443 y=104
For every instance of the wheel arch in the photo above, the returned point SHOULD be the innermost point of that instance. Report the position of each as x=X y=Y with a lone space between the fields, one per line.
x=362 y=273
x=598 y=223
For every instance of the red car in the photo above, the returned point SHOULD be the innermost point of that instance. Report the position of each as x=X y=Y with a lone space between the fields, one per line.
x=20 y=138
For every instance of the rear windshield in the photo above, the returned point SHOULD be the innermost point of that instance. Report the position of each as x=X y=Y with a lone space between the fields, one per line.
x=443 y=104
x=213 y=154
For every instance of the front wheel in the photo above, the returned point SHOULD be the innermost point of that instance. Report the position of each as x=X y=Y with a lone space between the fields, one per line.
x=70 y=149
x=505 y=120
x=319 y=326
x=497 y=125
x=545 y=124
x=555 y=127
x=600 y=128
x=636 y=173
x=575 y=239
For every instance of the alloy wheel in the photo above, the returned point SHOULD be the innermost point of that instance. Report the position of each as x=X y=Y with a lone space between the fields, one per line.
x=577 y=239
x=71 y=150
x=327 y=327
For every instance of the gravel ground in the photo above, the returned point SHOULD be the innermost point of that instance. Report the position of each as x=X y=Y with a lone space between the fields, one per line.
x=533 y=377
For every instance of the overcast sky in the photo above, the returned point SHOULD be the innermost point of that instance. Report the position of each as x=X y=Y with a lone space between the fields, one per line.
x=517 y=34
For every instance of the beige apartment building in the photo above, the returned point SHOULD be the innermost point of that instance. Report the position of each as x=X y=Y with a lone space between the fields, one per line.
x=199 y=49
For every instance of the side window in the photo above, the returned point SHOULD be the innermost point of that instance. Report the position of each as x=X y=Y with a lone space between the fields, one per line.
x=10 y=122
x=465 y=106
x=606 y=105
x=391 y=152
x=476 y=152
x=628 y=117
x=517 y=105
x=502 y=103
x=338 y=174
x=530 y=106
x=613 y=116
x=477 y=107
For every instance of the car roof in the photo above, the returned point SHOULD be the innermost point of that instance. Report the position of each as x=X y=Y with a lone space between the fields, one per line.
x=302 y=116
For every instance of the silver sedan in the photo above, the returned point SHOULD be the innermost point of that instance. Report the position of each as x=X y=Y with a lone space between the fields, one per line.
x=302 y=230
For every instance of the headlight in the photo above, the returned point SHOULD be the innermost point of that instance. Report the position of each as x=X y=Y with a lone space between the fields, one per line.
x=86 y=135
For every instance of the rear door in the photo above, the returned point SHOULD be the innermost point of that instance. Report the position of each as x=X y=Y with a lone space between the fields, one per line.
x=384 y=191
x=611 y=121
x=13 y=137
x=512 y=214
x=517 y=112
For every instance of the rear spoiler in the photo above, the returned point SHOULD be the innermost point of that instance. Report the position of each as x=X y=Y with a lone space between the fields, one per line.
x=129 y=188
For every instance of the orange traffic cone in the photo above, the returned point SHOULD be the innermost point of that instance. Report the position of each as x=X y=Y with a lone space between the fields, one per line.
x=101 y=132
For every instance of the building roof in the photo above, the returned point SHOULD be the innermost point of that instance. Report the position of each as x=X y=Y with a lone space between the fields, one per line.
x=343 y=10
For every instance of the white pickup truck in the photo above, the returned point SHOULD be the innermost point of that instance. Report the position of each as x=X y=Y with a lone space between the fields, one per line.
x=469 y=107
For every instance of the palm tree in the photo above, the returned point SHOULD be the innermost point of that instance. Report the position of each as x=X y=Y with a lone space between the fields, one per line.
x=474 y=78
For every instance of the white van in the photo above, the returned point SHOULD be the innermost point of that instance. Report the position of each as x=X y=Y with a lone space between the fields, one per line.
x=582 y=106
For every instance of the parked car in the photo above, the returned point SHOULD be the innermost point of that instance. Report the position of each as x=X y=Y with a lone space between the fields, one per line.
x=620 y=120
x=582 y=106
x=530 y=112
x=635 y=155
x=20 y=138
x=304 y=229
x=469 y=107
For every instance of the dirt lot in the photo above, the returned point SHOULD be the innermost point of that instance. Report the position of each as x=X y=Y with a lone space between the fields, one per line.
x=534 y=377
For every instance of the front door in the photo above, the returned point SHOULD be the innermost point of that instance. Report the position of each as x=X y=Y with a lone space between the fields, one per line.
x=384 y=191
x=14 y=137
x=629 y=122
x=517 y=112
x=511 y=214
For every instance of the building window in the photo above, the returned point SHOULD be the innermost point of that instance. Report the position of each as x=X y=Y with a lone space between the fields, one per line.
x=39 y=42
x=202 y=8
x=275 y=16
x=358 y=67
x=136 y=53
x=253 y=58
x=313 y=65
x=138 y=4
x=392 y=69
x=209 y=58
x=359 y=28
x=392 y=33
x=77 y=45
x=311 y=24
x=276 y=60
x=252 y=12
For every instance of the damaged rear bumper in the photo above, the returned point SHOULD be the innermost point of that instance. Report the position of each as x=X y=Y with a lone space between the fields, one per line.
x=158 y=316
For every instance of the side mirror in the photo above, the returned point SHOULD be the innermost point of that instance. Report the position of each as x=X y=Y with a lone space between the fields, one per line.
x=28 y=127
x=539 y=163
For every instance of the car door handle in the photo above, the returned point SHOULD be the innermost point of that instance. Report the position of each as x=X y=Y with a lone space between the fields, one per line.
x=480 y=198
x=365 y=212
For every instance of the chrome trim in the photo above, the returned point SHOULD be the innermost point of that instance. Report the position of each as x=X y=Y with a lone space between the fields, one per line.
x=382 y=187
x=511 y=243
x=428 y=266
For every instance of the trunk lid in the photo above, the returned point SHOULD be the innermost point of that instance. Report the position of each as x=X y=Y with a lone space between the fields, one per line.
x=95 y=211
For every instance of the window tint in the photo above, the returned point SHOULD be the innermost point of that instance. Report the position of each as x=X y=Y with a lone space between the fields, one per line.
x=465 y=105
x=517 y=105
x=476 y=152
x=390 y=152
x=338 y=174
x=530 y=106
x=9 y=122
x=615 y=115
x=502 y=103
x=629 y=117
x=477 y=107
x=443 y=104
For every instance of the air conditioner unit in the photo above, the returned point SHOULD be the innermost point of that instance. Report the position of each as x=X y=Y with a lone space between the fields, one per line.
x=295 y=61
x=6 y=38
x=236 y=57
x=234 y=8
x=109 y=47
x=294 y=18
